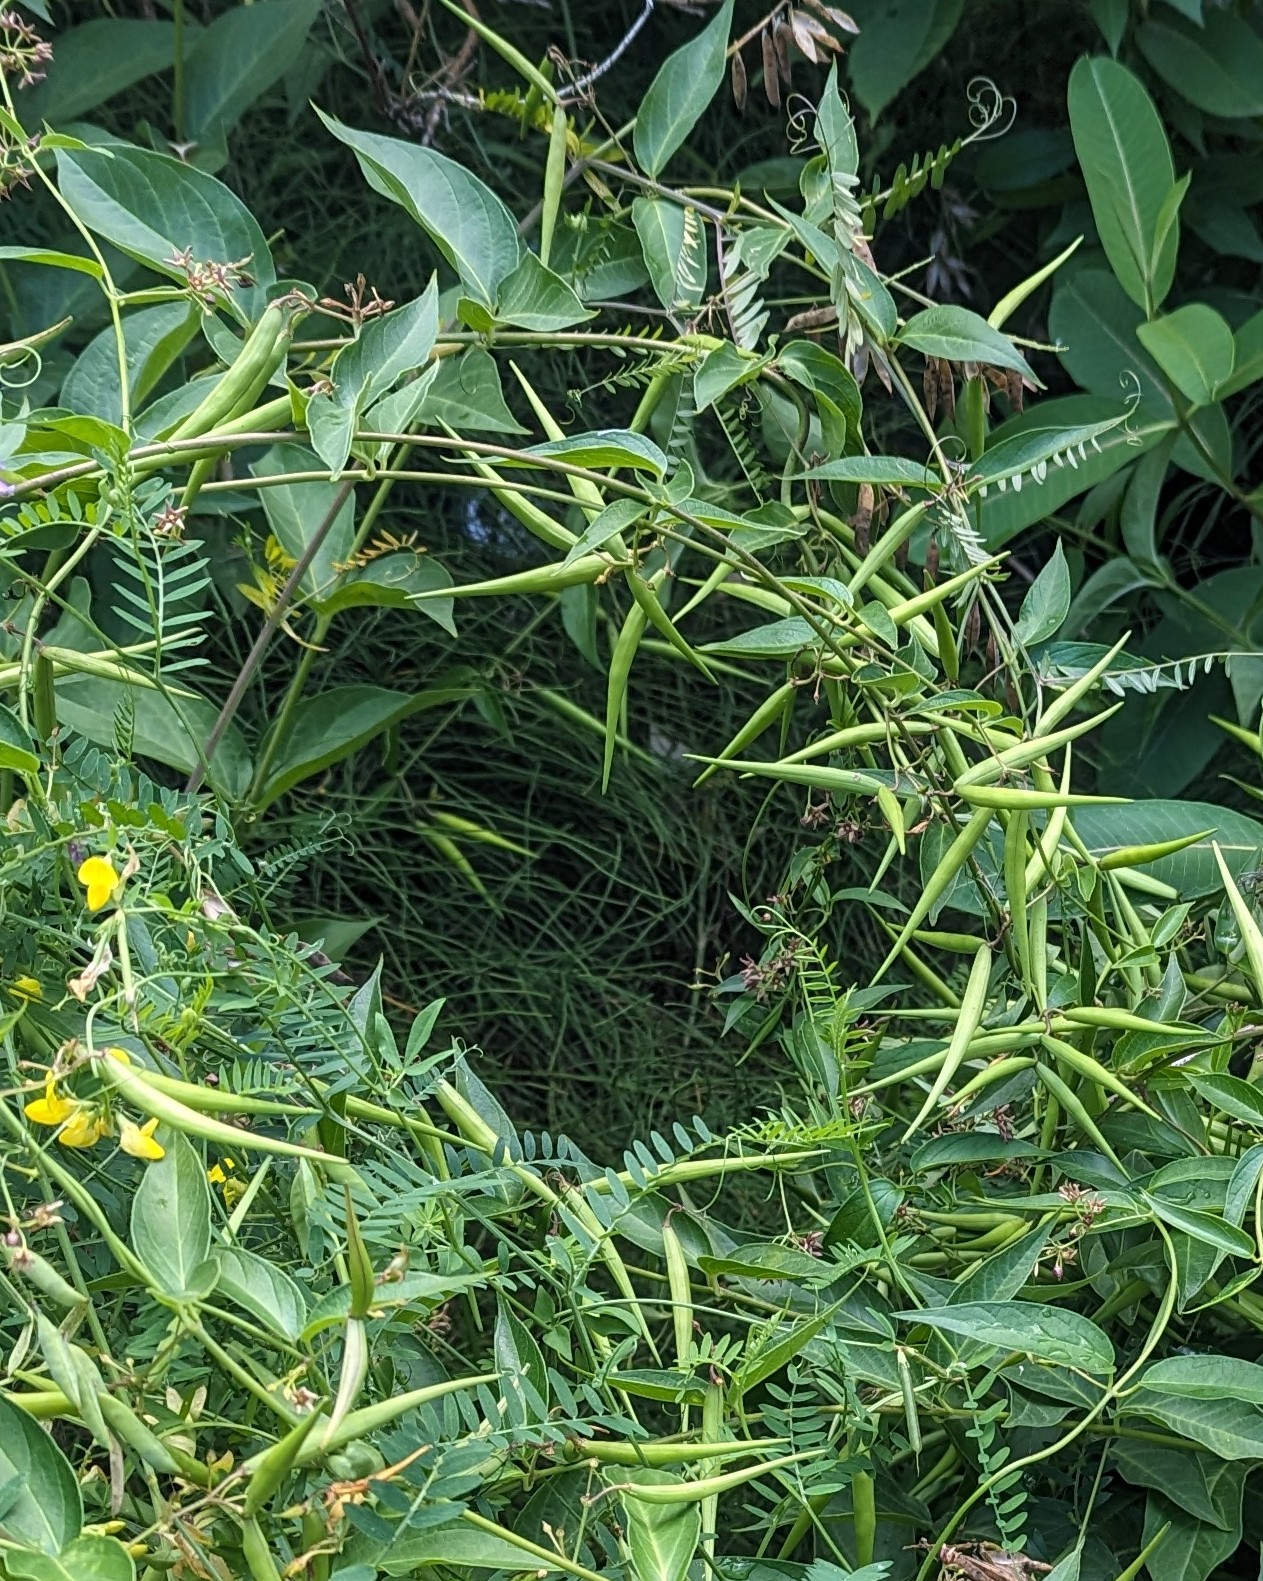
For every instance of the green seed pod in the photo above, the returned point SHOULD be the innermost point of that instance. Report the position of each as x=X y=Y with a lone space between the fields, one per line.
x=278 y=1462
x=41 y=1273
x=237 y=389
x=359 y=1263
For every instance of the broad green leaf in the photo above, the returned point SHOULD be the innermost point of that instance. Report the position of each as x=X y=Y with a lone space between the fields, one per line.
x=661 y=1538
x=171 y=1217
x=1231 y=1095
x=153 y=208
x=673 y=241
x=460 y=1545
x=46 y=1512
x=51 y=258
x=1247 y=366
x=607 y=447
x=1052 y=1334
x=263 y=1289
x=1183 y=1475
x=168 y=729
x=88 y=1558
x=1207 y=1228
x=1192 y=871
x=329 y=726
x=96 y=60
x=766 y=1360
x=295 y=511
x=1126 y=162
x=887 y=470
x=897 y=40
x=239 y=57
x=959 y=335
x=392 y=581
x=533 y=297
x=1194 y=348
x=685 y=84
x=1047 y=602
x=466 y=393
x=518 y=1356
x=1094 y=319
x=154 y=337
x=424 y=1291
x=772 y=1261
x=779 y=639
x=1218 y=66
x=719 y=371
x=16 y=744
x=1001 y=1277
x=385 y=349
x=1212 y=1377
x=1006 y=510
x=827 y=377
x=466 y=221
x=1193 y=1550
x=1229 y=1428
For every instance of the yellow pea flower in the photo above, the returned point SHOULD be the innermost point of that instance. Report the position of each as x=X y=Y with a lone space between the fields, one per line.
x=98 y=876
x=121 y=1055
x=83 y=1129
x=216 y=1175
x=138 y=1140
x=51 y=1109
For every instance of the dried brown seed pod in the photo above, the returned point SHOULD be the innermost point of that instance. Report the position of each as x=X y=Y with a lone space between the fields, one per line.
x=771 y=74
x=738 y=78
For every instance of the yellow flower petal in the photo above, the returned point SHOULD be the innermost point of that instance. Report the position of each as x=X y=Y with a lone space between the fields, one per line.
x=26 y=988
x=50 y=1109
x=216 y=1175
x=121 y=1055
x=138 y=1140
x=99 y=878
x=83 y=1128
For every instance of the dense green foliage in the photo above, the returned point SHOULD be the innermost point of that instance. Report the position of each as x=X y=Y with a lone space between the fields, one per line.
x=673 y=570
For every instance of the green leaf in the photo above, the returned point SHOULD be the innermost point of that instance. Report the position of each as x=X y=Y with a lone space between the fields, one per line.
x=462 y=215
x=1047 y=602
x=959 y=335
x=1049 y=1333
x=1205 y=1227
x=673 y=241
x=1214 y=1377
x=1229 y=1428
x=1001 y=1277
x=1096 y=322
x=605 y=447
x=88 y=1558
x=1194 y=1550
x=169 y=730
x=424 y=1291
x=171 y=1217
x=772 y=1261
x=460 y=1545
x=393 y=581
x=329 y=726
x=1248 y=355
x=1185 y=1476
x=262 y=1289
x=154 y=337
x=1194 y=348
x=1231 y=1095
x=533 y=297
x=47 y=1511
x=16 y=744
x=238 y=58
x=518 y=1356
x=385 y=349
x=685 y=84
x=1192 y=871
x=1126 y=162
x=295 y=510
x=661 y=1538
x=93 y=62
x=765 y=1361
x=465 y=393
x=1005 y=511
x=1218 y=67
x=719 y=371
x=153 y=208
x=896 y=471
x=897 y=40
